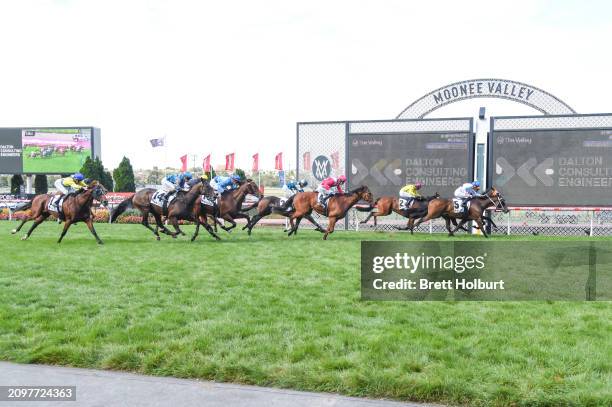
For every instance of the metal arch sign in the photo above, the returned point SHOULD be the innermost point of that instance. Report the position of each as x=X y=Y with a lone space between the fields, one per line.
x=486 y=88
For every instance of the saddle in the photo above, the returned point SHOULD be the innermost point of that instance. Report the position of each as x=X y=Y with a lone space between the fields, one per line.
x=159 y=199
x=404 y=204
x=55 y=204
x=461 y=206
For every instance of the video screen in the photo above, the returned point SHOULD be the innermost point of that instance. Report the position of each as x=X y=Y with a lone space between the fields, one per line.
x=55 y=150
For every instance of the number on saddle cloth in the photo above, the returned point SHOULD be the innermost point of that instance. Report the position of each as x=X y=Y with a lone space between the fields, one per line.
x=55 y=202
x=404 y=204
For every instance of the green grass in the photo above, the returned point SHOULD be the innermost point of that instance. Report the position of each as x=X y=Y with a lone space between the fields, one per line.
x=276 y=311
x=69 y=162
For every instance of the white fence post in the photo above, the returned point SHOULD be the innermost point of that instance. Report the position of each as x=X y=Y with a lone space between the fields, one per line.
x=430 y=226
x=591 y=213
x=508 y=223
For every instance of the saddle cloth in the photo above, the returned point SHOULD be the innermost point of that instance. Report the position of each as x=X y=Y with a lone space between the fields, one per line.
x=157 y=199
x=281 y=201
x=404 y=204
x=53 y=202
x=205 y=201
x=457 y=205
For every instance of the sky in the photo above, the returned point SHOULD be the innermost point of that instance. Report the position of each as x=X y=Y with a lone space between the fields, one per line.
x=219 y=77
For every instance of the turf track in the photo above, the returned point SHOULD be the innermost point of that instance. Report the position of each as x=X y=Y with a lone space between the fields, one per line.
x=285 y=312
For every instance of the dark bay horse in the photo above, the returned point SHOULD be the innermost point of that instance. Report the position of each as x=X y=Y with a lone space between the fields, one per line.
x=444 y=208
x=76 y=208
x=385 y=205
x=229 y=207
x=337 y=206
x=267 y=204
x=182 y=207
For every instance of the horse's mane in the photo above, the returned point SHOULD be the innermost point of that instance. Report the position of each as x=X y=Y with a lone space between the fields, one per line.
x=358 y=189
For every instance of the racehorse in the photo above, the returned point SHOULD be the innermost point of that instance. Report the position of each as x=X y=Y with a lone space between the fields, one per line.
x=267 y=204
x=384 y=205
x=337 y=206
x=229 y=207
x=179 y=208
x=76 y=208
x=478 y=204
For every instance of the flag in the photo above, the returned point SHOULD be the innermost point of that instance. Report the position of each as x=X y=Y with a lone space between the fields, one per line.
x=278 y=162
x=255 y=163
x=229 y=162
x=307 y=163
x=157 y=142
x=206 y=163
x=184 y=163
x=335 y=160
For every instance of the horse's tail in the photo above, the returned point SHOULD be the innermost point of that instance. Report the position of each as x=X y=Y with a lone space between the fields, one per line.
x=24 y=206
x=122 y=207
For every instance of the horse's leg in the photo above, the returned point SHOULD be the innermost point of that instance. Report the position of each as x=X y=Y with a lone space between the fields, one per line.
x=37 y=222
x=423 y=219
x=452 y=232
x=210 y=230
x=231 y=221
x=481 y=226
x=145 y=223
x=23 y=222
x=252 y=223
x=314 y=222
x=174 y=222
x=90 y=225
x=67 y=224
x=368 y=218
x=330 y=227
x=294 y=229
x=160 y=225
x=411 y=225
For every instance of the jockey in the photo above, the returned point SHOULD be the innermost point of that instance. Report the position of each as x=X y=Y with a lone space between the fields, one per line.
x=467 y=191
x=330 y=186
x=73 y=183
x=174 y=183
x=293 y=187
x=220 y=183
x=408 y=193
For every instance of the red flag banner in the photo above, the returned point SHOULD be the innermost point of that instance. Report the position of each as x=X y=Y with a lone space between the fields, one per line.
x=229 y=162
x=206 y=163
x=335 y=160
x=255 y=163
x=307 y=163
x=278 y=162
x=184 y=163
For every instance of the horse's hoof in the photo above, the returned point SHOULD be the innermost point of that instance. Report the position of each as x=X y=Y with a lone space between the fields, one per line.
x=100 y=242
x=158 y=238
x=13 y=231
x=24 y=238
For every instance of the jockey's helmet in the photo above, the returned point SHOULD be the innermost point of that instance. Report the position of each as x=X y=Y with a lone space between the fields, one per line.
x=78 y=176
x=418 y=185
x=342 y=178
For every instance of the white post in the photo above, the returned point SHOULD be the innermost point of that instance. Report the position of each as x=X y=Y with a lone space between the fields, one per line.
x=356 y=217
x=508 y=223
x=591 y=215
x=28 y=188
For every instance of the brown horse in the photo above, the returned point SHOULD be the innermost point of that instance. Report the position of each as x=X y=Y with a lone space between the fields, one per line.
x=385 y=205
x=182 y=207
x=337 y=206
x=444 y=208
x=76 y=208
x=229 y=207
x=268 y=204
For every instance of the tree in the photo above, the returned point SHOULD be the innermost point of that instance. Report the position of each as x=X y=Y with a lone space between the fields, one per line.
x=95 y=170
x=40 y=184
x=240 y=173
x=124 y=177
x=16 y=183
